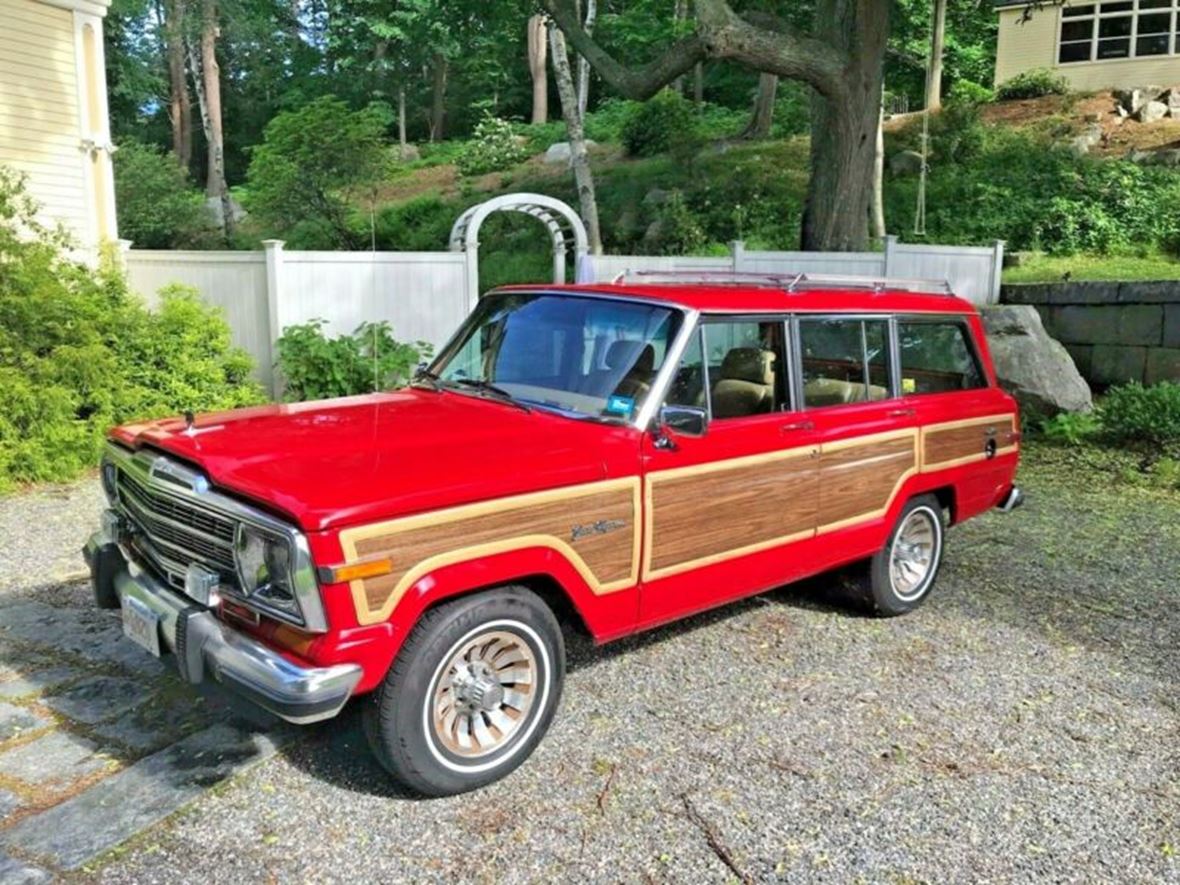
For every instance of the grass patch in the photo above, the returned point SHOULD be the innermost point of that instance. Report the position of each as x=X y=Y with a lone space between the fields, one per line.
x=1041 y=268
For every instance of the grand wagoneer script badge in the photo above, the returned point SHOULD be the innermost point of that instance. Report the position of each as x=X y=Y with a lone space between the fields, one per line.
x=601 y=527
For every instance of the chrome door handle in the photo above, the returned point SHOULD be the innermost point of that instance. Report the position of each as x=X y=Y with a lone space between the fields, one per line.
x=797 y=425
x=901 y=413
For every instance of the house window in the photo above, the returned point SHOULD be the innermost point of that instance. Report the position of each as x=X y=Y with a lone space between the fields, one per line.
x=1118 y=29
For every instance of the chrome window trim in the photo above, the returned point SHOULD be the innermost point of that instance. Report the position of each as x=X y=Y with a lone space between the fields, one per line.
x=964 y=323
x=893 y=355
x=171 y=478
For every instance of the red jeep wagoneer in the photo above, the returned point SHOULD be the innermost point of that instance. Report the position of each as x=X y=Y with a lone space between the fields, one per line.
x=612 y=456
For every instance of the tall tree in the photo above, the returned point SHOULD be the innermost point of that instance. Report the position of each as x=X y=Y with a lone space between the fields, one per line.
x=583 y=65
x=841 y=60
x=440 y=67
x=762 y=116
x=579 y=159
x=207 y=79
x=180 y=108
x=934 y=75
x=538 y=70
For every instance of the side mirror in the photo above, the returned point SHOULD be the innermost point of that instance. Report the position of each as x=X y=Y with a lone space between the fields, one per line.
x=684 y=420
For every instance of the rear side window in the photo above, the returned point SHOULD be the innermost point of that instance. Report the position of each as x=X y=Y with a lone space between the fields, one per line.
x=843 y=361
x=937 y=357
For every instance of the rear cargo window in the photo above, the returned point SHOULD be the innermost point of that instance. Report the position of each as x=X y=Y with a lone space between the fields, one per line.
x=937 y=357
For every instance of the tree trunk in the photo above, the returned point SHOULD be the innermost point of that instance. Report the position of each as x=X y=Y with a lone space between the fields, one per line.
x=763 y=114
x=401 y=117
x=934 y=75
x=579 y=160
x=679 y=16
x=206 y=78
x=877 y=216
x=844 y=129
x=538 y=69
x=583 y=65
x=438 y=99
x=180 y=107
x=698 y=83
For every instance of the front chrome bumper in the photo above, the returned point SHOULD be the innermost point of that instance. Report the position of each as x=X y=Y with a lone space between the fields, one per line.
x=205 y=648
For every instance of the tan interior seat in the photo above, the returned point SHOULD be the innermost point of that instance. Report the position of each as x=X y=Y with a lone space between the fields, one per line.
x=637 y=382
x=833 y=392
x=746 y=386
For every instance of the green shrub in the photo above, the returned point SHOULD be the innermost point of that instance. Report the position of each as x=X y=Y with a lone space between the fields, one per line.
x=493 y=148
x=313 y=165
x=676 y=231
x=1033 y=83
x=79 y=353
x=1070 y=428
x=656 y=125
x=314 y=366
x=157 y=204
x=605 y=124
x=421 y=224
x=968 y=93
x=1132 y=413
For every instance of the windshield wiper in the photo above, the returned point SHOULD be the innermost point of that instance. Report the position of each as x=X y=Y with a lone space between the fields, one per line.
x=488 y=387
x=427 y=377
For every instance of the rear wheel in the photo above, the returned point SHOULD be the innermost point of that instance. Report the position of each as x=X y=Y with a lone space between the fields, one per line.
x=471 y=693
x=901 y=575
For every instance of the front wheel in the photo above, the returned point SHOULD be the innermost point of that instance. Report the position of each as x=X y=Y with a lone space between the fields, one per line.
x=902 y=574
x=471 y=693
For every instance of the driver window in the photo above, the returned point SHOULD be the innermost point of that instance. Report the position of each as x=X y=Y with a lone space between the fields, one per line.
x=688 y=385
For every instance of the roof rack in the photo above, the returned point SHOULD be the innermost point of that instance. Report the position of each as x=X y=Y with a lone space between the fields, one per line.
x=791 y=282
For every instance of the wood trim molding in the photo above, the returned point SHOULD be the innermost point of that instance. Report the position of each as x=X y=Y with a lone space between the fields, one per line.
x=874 y=461
x=521 y=524
x=968 y=448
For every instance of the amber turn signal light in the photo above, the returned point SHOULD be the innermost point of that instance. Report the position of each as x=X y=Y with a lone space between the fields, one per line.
x=355 y=571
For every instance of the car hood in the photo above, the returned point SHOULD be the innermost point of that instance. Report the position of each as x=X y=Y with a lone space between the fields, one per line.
x=360 y=459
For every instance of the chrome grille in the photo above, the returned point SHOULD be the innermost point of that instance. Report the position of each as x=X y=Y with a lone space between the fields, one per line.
x=173 y=533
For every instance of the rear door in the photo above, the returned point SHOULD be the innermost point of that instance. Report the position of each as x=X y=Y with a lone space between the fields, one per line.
x=868 y=435
x=969 y=428
x=720 y=508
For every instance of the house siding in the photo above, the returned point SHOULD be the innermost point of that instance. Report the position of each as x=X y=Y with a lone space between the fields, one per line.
x=1033 y=44
x=42 y=118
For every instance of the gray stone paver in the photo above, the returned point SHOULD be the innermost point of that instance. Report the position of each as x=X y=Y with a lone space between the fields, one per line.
x=58 y=756
x=14 y=872
x=99 y=697
x=37 y=681
x=70 y=834
x=15 y=721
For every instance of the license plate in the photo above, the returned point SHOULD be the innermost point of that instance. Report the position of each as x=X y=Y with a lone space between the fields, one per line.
x=141 y=625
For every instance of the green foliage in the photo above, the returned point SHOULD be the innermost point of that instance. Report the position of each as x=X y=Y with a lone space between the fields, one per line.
x=1024 y=189
x=1132 y=413
x=158 y=206
x=79 y=353
x=313 y=164
x=964 y=92
x=677 y=230
x=422 y=224
x=1070 y=428
x=494 y=147
x=1033 y=83
x=659 y=123
x=315 y=367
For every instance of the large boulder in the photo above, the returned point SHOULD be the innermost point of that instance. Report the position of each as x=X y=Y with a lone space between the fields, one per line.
x=1033 y=367
x=561 y=152
x=905 y=163
x=1152 y=111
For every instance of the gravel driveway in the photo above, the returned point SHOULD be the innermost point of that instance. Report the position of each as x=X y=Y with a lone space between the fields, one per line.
x=1023 y=724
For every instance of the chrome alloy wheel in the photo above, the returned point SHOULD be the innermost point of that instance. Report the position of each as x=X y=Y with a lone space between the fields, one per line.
x=914 y=554
x=483 y=693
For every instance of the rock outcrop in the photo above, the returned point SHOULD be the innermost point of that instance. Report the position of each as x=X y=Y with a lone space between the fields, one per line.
x=1032 y=366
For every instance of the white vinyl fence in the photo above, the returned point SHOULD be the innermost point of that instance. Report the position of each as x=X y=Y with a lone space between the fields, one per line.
x=426 y=295
x=972 y=271
x=423 y=295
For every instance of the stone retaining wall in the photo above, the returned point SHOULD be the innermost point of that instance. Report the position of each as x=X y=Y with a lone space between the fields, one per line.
x=1115 y=332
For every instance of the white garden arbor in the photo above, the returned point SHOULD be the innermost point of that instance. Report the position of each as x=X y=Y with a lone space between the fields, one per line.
x=565 y=228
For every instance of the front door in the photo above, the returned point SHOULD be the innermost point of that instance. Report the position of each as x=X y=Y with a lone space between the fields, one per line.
x=720 y=508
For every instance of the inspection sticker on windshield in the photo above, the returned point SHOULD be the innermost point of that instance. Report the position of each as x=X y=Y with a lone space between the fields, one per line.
x=620 y=405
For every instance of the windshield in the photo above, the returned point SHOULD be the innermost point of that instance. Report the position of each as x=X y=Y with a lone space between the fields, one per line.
x=594 y=357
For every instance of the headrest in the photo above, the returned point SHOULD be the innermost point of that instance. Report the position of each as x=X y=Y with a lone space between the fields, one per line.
x=633 y=356
x=748 y=364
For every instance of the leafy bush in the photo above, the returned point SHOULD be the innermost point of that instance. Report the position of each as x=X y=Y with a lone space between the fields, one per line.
x=158 y=206
x=1132 y=413
x=1070 y=428
x=493 y=148
x=676 y=230
x=313 y=165
x=605 y=124
x=421 y=224
x=79 y=353
x=1032 y=83
x=968 y=93
x=317 y=367
x=659 y=123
